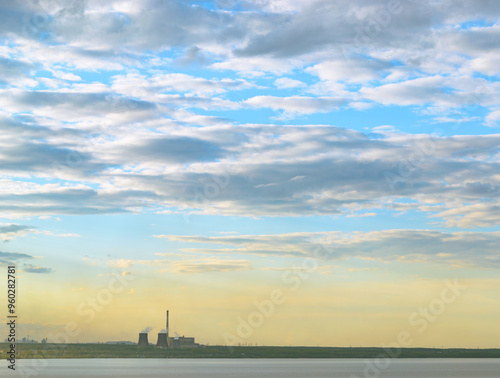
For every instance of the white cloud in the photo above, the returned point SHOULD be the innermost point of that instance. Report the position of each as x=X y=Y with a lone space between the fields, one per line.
x=209 y=266
x=12 y=231
x=66 y=76
x=297 y=104
x=287 y=83
x=471 y=216
x=411 y=92
x=349 y=70
x=493 y=118
x=138 y=86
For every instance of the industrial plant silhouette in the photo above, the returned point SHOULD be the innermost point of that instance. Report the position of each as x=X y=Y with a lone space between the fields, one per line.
x=165 y=341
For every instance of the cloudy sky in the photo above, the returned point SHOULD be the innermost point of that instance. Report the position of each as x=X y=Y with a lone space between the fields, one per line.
x=202 y=155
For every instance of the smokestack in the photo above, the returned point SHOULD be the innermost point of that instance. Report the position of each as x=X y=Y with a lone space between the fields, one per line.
x=162 y=340
x=167 y=324
x=143 y=340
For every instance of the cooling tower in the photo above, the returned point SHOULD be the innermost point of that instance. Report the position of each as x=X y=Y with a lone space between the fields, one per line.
x=143 y=340
x=162 y=340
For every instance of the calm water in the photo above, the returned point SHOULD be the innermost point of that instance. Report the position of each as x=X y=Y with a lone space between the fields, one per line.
x=242 y=368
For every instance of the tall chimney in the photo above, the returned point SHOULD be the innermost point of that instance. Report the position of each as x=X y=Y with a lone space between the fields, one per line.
x=167 y=324
x=143 y=340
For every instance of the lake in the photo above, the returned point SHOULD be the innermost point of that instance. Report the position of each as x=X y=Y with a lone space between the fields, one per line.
x=243 y=368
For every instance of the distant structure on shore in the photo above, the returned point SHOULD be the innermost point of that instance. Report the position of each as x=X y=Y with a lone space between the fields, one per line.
x=27 y=340
x=165 y=341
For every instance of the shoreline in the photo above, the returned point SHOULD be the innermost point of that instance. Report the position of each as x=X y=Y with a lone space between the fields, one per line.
x=33 y=351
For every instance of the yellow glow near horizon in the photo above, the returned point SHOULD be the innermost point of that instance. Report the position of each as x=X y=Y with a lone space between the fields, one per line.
x=322 y=311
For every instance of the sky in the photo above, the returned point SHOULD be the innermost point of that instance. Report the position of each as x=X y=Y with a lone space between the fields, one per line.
x=273 y=172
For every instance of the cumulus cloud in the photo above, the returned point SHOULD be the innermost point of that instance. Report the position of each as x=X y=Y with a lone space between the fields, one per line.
x=115 y=122
x=253 y=170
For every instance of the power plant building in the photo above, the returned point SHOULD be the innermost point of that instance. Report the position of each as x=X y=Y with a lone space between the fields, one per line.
x=165 y=341
x=183 y=342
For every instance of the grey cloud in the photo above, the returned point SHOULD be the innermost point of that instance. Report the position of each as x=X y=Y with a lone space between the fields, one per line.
x=9 y=258
x=15 y=17
x=43 y=150
x=467 y=10
x=32 y=157
x=459 y=249
x=483 y=189
x=412 y=26
x=341 y=24
x=82 y=103
x=61 y=208
x=74 y=201
x=478 y=41
x=14 y=228
x=12 y=231
x=356 y=25
x=177 y=150
x=337 y=169
x=48 y=160
x=185 y=23
x=36 y=269
x=259 y=170
x=28 y=126
x=11 y=69
x=193 y=55
x=243 y=251
x=32 y=20
x=171 y=24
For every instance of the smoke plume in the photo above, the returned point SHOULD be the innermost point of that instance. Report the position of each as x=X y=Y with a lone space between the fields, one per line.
x=147 y=329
